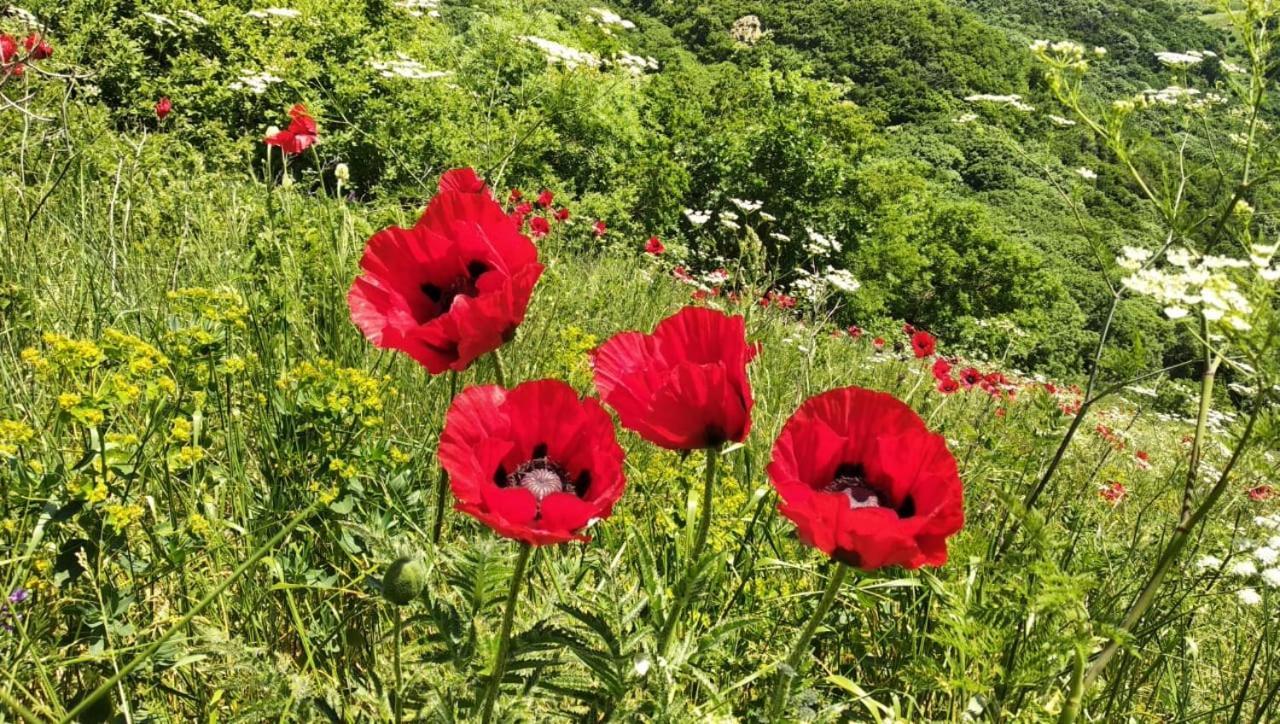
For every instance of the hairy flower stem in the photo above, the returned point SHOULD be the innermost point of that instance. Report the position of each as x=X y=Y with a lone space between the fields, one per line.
x=504 y=635
x=695 y=553
x=442 y=481
x=1186 y=525
x=499 y=370
x=782 y=687
x=395 y=644
x=209 y=598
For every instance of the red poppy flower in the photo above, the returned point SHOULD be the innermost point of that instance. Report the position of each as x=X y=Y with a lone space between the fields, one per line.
x=37 y=47
x=520 y=212
x=453 y=287
x=855 y=331
x=8 y=48
x=908 y=329
x=778 y=299
x=463 y=181
x=536 y=463
x=941 y=369
x=539 y=226
x=1113 y=492
x=599 y=228
x=684 y=386
x=163 y=106
x=562 y=214
x=866 y=482
x=514 y=196
x=947 y=385
x=1261 y=493
x=923 y=344
x=970 y=376
x=683 y=275
x=545 y=198
x=300 y=134
x=878 y=343
x=654 y=246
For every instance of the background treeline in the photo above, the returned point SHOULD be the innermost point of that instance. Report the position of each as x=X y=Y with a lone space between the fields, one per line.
x=842 y=118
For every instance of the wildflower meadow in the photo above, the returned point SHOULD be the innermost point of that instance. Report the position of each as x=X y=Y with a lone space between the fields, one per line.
x=523 y=360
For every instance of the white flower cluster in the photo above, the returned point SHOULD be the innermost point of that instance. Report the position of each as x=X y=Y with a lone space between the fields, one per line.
x=1188 y=282
x=821 y=244
x=747 y=206
x=606 y=17
x=255 y=82
x=1065 y=53
x=965 y=118
x=26 y=17
x=1183 y=60
x=697 y=218
x=635 y=64
x=558 y=53
x=405 y=67
x=729 y=220
x=1087 y=174
x=416 y=8
x=274 y=13
x=1012 y=100
x=165 y=24
x=1060 y=121
x=841 y=279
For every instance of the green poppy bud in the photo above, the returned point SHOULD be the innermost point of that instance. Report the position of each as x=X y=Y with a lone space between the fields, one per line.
x=404 y=580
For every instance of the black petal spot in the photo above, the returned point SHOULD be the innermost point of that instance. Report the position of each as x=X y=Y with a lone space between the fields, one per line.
x=582 y=483
x=500 y=477
x=476 y=268
x=432 y=292
x=539 y=451
x=908 y=507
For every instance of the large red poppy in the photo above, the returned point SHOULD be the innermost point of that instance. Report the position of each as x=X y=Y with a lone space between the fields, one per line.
x=684 y=386
x=453 y=287
x=300 y=134
x=535 y=463
x=866 y=482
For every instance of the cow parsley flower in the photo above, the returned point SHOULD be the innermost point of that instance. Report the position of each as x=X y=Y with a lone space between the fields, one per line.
x=1249 y=597
x=1180 y=60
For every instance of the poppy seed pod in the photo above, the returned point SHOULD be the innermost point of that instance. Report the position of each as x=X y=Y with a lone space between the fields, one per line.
x=404 y=580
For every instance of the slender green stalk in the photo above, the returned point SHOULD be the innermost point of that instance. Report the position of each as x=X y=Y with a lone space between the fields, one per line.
x=1075 y=695
x=442 y=481
x=782 y=687
x=504 y=636
x=499 y=370
x=687 y=584
x=209 y=598
x=23 y=712
x=395 y=644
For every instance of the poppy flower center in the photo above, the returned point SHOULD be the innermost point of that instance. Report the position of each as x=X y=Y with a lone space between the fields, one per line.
x=464 y=285
x=851 y=481
x=542 y=477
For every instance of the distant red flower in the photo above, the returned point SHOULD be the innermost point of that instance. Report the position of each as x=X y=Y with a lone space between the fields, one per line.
x=163 y=106
x=866 y=482
x=454 y=286
x=37 y=47
x=941 y=369
x=683 y=275
x=683 y=387
x=947 y=385
x=300 y=134
x=1261 y=493
x=878 y=343
x=562 y=214
x=514 y=196
x=654 y=246
x=599 y=228
x=1113 y=492
x=970 y=376
x=545 y=198
x=855 y=331
x=521 y=211
x=1050 y=388
x=18 y=70
x=535 y=463
x=923 y=344
x=539 y=226
x=779 y=300
x=8 y=48
x=908 y=329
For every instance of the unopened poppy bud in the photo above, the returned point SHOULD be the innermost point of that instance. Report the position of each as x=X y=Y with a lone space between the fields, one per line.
x=273 y=130
x=342 y=172
x=404 y=580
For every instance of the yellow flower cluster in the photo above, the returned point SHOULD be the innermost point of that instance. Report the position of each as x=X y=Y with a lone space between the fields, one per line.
x=324 y=390
x=97 y=379
x=221 y=306
x=14 y=434
x=572 y=355
x=122 y=517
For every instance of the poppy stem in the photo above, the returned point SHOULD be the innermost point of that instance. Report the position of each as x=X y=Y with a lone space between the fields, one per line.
x=695 y=553
x=395 y=643
x=442 y=481
x=782 y=688
x=499 y=371
x=504 y=637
